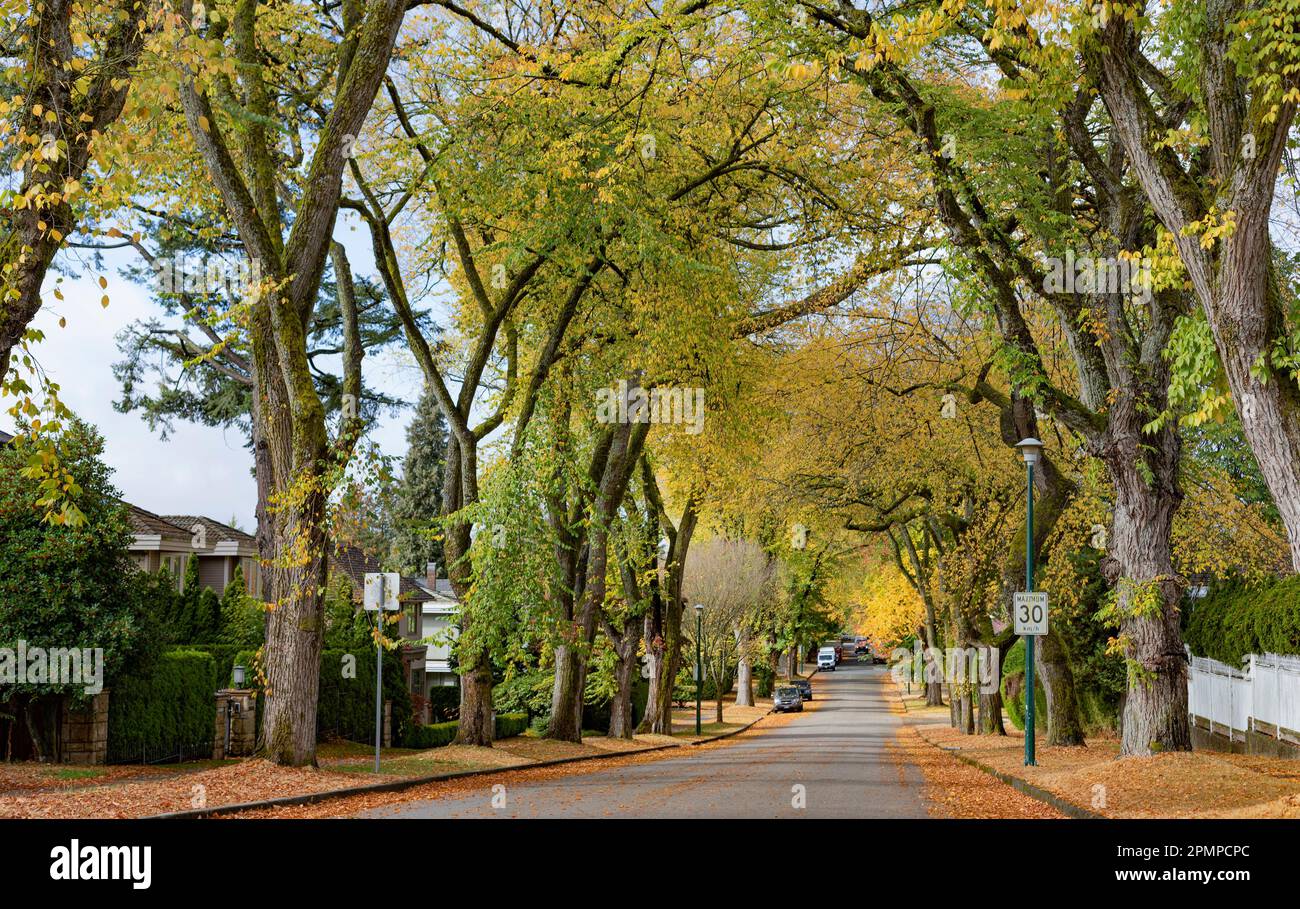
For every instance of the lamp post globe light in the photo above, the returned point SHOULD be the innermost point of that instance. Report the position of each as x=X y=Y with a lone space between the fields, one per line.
x=1030 y=449
x=699 y=663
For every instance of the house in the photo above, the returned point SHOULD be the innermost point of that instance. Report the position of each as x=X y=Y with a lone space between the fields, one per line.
x=168 y=541
x=439 y=616
x=425 y=665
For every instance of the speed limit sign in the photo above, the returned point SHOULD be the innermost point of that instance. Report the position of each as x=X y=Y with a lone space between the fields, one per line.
x=1030 y=613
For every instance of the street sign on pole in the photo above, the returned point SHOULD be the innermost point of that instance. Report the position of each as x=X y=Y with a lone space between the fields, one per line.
x=1030 y=613
x=381 y=589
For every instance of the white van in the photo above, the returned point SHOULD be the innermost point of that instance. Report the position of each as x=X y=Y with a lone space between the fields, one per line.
x=826 y=659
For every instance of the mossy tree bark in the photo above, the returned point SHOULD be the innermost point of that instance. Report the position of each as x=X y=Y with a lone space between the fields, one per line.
x=296 y=458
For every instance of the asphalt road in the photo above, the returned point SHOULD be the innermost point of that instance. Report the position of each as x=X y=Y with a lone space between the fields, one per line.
x=836 y=753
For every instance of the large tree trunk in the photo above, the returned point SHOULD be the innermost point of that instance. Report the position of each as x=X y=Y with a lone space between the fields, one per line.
x=292 y=425
x=744 y=672
x=1233 y=278
x=991 y=713
x=611 y=467
x=1149 y=591
x=620 y=714
x=1064 y=727
x=566 y=695
x=459 y=489
x=666 y=662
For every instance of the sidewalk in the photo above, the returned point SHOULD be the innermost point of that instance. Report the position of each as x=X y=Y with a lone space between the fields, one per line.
x=1200 y=784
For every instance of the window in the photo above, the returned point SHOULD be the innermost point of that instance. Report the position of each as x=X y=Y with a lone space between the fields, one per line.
x=417 y=681
x=252 y=570
x=175 y=564
x=413 y=619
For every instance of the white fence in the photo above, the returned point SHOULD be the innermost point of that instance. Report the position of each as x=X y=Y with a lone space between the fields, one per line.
x=1234 y=701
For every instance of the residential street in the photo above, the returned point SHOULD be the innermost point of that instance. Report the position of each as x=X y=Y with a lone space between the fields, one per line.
x=836 y=749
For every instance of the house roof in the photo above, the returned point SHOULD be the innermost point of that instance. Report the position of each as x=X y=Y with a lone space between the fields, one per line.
x=442 y=587
x=146 y=522
x=5 y=438
x=356 y=564
x=216 y=531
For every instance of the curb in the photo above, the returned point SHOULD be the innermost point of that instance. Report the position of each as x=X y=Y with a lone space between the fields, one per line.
x=400 y=785
x=1069 y=809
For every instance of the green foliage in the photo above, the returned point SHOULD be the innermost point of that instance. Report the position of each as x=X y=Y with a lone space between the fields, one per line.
x=432 y=736
x=444 y=703
x=437 y=735
x=1099 y=674
x=1237 y=619
x=419 y=497
x=346 y=708
x=165 y=714
x=509 y=725
x=346 y=627
x=525 y=693
x=242 y=621
x=225 y=656
x=1013 y=677
x=72 y=586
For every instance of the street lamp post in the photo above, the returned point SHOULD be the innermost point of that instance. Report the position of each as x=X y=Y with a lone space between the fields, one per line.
x=699 y=665
x=1030 y=449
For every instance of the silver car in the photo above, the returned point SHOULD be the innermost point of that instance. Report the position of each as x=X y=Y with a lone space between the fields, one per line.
x=787 y=698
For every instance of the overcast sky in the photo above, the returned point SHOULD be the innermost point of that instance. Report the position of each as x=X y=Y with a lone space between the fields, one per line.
x=197 y=470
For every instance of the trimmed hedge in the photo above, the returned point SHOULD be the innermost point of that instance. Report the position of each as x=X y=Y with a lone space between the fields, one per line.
x=1013 y=671
x=434 y=736
x=346 y=708
x=440 y=734
x=225 y=656
x=1236 y=620
x=510 y=725
x=169 y=714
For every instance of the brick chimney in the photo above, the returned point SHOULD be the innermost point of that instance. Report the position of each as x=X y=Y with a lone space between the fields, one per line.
x=431 y=575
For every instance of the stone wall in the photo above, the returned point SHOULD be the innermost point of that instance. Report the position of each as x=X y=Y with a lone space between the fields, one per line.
x=83 y=732
x=243 y=723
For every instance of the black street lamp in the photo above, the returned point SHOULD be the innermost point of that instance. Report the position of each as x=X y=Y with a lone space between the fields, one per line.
x=1030 y=450
x=699 y=664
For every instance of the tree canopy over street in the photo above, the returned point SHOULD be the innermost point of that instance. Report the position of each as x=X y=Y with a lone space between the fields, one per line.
x=737 y=303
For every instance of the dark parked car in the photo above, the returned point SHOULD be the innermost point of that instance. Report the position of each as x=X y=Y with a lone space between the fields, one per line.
x=805 y=688
x=787 y=697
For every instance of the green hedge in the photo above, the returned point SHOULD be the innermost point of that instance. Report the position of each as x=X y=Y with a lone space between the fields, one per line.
x=508 y=725
x=444 y=703
x=346 y=708
x=1236 y=620
x=1013 y=668
x=434 y=736
x=168 y=714
x=224 y=655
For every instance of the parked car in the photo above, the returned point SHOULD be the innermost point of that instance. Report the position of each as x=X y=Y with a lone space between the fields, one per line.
x=804 y=686
x=787 y=697
x=826 y=659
